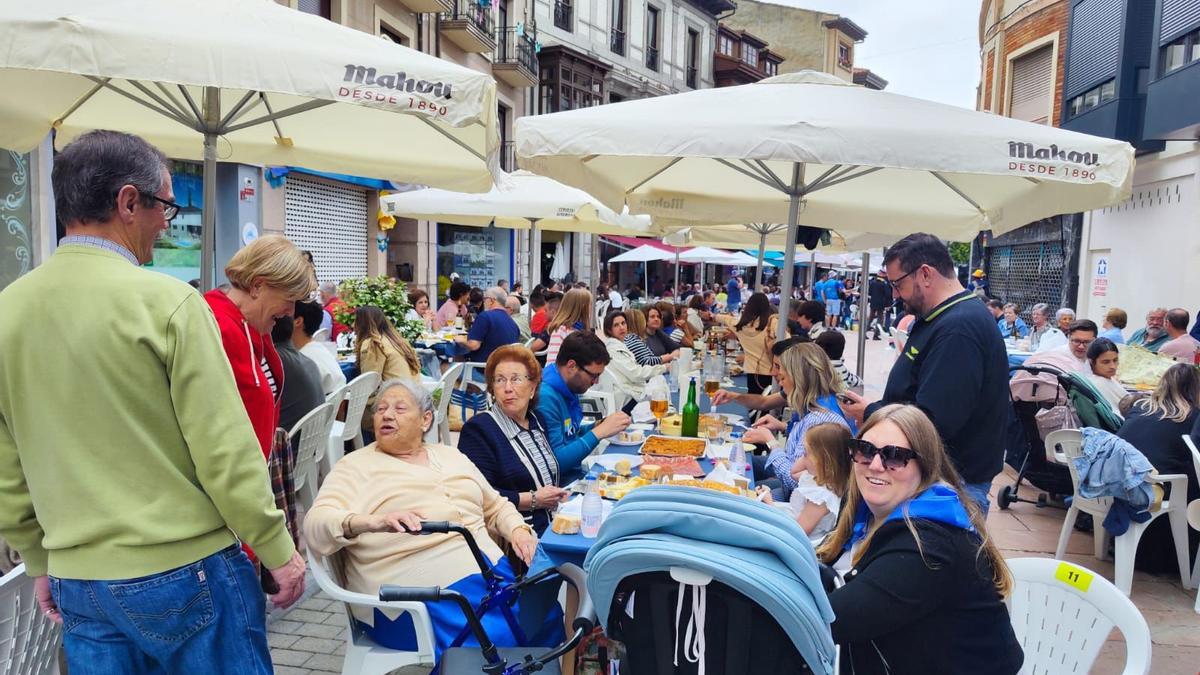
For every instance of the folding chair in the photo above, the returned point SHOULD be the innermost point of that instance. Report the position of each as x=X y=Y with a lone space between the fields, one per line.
x=28 y=640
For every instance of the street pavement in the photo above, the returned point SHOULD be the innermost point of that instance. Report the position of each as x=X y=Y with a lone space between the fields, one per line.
x=309 y=638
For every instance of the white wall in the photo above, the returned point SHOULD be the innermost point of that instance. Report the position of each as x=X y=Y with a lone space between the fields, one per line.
x=1152 y=240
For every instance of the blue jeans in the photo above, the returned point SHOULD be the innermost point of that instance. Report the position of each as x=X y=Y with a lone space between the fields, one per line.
x=207 y=617
x=979 y=492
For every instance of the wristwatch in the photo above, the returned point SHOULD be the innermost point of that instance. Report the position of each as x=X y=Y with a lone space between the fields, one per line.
x=533 y=501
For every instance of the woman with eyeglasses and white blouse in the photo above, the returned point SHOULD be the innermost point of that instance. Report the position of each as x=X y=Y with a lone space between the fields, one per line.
x=508 y=444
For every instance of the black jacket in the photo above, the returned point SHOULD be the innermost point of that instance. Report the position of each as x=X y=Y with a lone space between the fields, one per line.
x=880 y=293
x=954 y=367
x=928 y=610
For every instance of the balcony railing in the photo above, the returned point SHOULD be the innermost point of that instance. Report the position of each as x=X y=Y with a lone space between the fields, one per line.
x=477 y=14
x=652 y=58
x=691 y=78
x=518 y=49
x=564 y=15
x=508 y=156
x=617 y=41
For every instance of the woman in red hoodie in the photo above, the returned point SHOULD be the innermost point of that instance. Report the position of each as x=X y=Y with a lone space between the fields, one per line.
x=267 y=278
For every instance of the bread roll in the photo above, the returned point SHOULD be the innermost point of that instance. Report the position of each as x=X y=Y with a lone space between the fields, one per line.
x=565 y=524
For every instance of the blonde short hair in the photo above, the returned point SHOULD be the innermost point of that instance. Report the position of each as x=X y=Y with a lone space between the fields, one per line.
x=277 y=262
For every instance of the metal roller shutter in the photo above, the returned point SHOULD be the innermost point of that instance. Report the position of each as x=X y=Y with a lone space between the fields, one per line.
x=1095 y=44
x=1027 y=274
x=1032 y=86
x=329 y=220
x=1178 y=16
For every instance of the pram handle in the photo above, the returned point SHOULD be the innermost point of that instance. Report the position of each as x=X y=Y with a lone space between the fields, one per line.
x=392 y=593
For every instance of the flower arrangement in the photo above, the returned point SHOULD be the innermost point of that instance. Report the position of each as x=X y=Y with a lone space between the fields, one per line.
x=386 y=293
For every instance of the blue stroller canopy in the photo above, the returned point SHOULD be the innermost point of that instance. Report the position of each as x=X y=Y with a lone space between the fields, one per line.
x=749 y=546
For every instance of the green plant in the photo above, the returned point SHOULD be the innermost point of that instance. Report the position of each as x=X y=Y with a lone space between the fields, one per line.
x=387 y=294
x=960 y=252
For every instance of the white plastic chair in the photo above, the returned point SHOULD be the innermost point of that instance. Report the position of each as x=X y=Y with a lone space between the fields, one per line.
x=1193 y=515
x=1062 y=615
x=1067 y=444
x=472 y=398
x=441 y=413
x=28 y=640
x=322 y=335
x=360 y=389
x=336 y=446
x=309 y=437
x=362 y=654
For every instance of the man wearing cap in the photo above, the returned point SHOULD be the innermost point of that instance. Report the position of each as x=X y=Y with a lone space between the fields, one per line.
x=979 y=284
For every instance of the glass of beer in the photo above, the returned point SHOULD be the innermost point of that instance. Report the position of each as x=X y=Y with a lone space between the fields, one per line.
x=713 y=371
x=659 y=396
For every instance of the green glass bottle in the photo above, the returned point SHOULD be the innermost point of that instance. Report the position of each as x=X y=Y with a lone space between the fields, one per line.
x=691 y=413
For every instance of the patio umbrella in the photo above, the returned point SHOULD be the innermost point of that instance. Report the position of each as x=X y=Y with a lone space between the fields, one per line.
x=561 y=265
x=518 y=200
x=644 y=254
x=842 y=156
x=252 y=82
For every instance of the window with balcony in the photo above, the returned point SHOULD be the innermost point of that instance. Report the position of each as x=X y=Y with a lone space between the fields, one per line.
x=693 y=57
x=750 y=55
x=770 y=68
x=321 y=8
x=617 y=34
x=1092 y=98
x=1180 y=52
x=570 y=84
x=652 y=30
x=564 y=15
x=725 y=45
x=845 y=55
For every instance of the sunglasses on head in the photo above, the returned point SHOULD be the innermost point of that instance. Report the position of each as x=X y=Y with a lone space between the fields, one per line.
x=894 y=457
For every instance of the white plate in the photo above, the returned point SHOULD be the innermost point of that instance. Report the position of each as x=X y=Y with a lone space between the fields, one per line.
x=640 y=427
x=609 y=460
x=615 y=440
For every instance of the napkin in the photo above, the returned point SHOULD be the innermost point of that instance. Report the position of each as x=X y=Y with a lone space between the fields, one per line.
x=721 y=475
x=641 y=413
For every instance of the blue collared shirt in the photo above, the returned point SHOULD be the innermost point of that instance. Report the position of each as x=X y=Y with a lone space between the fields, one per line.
x=100 y=243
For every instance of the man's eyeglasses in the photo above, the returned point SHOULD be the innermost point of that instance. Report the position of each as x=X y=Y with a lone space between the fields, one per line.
x=894 y=457
x=894 y=283
x=170 y=209
x=595 y=376
x=1082 y=342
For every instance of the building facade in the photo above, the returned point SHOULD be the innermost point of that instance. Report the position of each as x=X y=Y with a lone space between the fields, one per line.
x=804 y=39
x=742 y=58
x=1133 y=73
x=1023 y=51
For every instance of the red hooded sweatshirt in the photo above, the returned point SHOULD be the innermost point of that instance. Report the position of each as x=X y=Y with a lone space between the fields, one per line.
x=245 y=348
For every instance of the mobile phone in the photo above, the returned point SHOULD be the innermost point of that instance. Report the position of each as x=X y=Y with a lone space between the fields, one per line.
x=628 y=407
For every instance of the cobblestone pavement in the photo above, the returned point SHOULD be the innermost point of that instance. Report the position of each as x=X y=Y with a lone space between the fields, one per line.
x=309 y=638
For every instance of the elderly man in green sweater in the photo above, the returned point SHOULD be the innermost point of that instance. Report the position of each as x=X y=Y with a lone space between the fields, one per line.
x=128 y=467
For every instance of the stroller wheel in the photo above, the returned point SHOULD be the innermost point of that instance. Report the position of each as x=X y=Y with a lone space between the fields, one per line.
x=1006 y=496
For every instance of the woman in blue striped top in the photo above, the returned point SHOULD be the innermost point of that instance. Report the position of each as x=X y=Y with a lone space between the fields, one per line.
x=639 y=339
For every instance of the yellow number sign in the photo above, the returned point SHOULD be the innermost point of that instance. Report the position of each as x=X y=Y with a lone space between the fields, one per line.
x=1073 y=576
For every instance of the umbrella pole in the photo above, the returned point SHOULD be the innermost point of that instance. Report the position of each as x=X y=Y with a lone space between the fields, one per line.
x=762 y=245
x=208 y=229
x=862 y=316
x=675 y=297
x=646 y=277
x=789 y=254
x=533 y=257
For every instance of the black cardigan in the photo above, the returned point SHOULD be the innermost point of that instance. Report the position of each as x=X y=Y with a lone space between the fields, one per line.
x=489 y=449
x=899 y=613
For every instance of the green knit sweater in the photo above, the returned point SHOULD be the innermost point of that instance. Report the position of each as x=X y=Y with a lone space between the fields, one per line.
x=125 y=450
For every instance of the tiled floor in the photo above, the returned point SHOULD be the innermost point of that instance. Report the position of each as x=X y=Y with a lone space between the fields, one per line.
x=309 y=637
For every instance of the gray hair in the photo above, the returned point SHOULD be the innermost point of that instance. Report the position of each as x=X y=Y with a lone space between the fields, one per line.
x=414 y=388
x=498 y=294
x=512 y=304
x=1040 y=308
x=328 y=287
x=92 y=169
x=1063 y=312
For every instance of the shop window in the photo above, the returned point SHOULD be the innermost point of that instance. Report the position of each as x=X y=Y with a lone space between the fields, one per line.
x=16 y=214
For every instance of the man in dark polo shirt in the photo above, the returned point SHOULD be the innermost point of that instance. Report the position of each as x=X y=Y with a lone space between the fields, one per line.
x=954 y=366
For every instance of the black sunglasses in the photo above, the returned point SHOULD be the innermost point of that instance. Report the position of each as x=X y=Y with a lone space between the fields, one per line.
x=894 y=457
x=170 y=209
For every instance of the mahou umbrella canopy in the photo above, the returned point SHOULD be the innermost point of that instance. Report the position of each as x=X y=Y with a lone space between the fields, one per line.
x=808 y=148
x=243 y=81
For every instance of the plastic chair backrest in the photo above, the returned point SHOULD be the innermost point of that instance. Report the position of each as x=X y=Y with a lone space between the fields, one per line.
x=361 y=389
x=322 y=335
x=1063 y=446
x=1063 y=613
x=313 y=433
x=28 y=640
x=336 y=397
x=1194 y=506
x=440 y=416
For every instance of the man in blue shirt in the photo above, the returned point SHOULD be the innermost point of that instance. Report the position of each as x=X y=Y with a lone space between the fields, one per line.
x=493 y=327
x=733 y=294
x=580 y=363
x=832 y=291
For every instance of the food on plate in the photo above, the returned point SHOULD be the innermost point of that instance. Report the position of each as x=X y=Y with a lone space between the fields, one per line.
x=635 y=436
x=622 y=488
x=674 y=447
x=565 y=524
x=671 y=466
x=707 y=485
x=672 y=425
x=650 y=471
x=623 y=467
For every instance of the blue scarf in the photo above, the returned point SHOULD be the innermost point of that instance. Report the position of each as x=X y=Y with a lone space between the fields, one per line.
x=552 y=379
x=939 y=503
